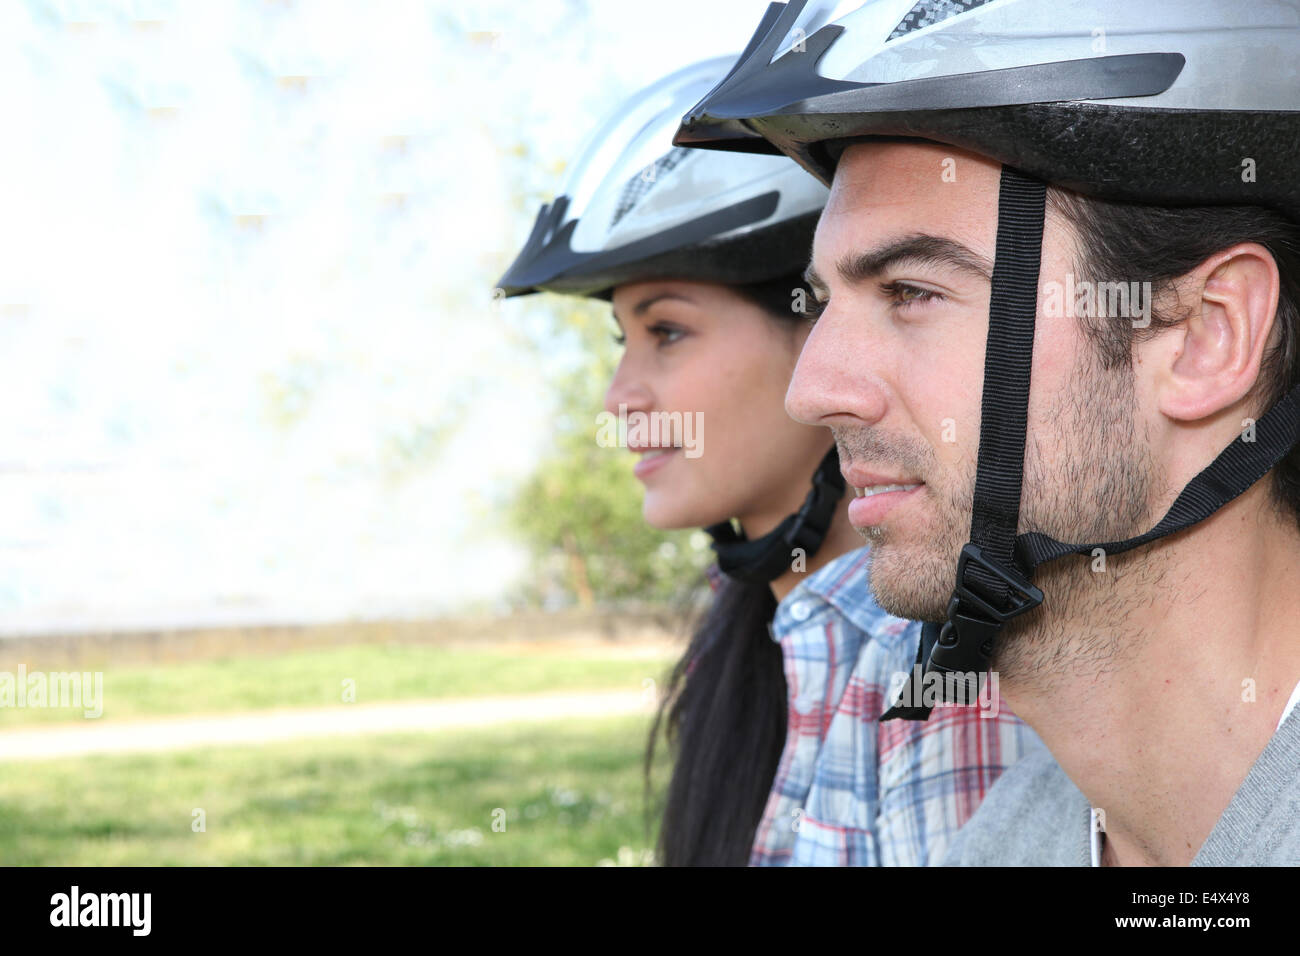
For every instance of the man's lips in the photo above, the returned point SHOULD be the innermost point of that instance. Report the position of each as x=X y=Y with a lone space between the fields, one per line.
x=876 y=494
x=871 y=490
x=863 y=481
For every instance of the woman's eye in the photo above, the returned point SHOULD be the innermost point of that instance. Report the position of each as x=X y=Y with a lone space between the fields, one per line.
x=666 y=334
x=619 y=338
x=813 y=308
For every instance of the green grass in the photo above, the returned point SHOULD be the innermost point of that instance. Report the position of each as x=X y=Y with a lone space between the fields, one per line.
x=315 y=678
x=572 y=795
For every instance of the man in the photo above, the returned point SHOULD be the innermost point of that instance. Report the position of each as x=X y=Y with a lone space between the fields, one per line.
x=1133 y=439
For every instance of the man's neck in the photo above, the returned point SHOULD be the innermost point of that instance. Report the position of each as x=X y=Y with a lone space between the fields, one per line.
x=1157 y=681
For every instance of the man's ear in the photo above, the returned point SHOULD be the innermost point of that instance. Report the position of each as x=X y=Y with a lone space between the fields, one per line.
x=1213 y=360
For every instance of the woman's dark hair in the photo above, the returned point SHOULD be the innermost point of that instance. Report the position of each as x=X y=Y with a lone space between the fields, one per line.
x=724 y=709
x=1122 y=242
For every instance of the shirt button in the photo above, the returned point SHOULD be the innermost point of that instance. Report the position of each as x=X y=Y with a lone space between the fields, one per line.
x=800 y=610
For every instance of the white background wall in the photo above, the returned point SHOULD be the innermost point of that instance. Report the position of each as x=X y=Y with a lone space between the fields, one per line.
x=249 y=368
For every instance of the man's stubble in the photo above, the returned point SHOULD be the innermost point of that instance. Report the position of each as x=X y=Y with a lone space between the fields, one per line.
x=1094 y=487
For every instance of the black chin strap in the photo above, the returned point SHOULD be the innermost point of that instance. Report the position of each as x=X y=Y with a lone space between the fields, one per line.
x=765 y=559
x=990 y=588
x=1249 y=458
x=995 y=568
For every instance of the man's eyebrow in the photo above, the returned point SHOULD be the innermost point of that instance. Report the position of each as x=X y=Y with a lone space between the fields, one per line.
x=918 y=249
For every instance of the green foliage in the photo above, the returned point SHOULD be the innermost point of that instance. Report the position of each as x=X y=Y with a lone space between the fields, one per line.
x=580 y=511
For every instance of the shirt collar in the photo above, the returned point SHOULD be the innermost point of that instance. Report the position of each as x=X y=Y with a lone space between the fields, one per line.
x=840 y=587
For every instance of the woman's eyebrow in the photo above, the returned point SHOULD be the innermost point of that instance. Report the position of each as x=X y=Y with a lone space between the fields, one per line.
x=643 y=306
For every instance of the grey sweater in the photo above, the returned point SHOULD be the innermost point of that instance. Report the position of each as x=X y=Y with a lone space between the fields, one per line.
x=1034 y=815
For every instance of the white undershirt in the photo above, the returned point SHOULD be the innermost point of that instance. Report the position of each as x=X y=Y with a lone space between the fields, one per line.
x=1092 y=821
x=1290 y=706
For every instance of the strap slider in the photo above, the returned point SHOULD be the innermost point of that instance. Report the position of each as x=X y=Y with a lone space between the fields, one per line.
x=1024 y=596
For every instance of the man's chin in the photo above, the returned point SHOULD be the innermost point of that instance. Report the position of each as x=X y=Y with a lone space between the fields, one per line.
x=913 y=587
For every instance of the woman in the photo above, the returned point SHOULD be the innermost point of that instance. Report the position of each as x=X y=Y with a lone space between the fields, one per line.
x=726 y=352
x=701 y=255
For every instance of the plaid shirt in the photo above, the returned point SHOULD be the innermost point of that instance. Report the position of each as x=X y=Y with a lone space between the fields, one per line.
x=851 y=790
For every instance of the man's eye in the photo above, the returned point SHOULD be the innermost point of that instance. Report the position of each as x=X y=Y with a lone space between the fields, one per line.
x=813 y=309
x=905 y=295
x=619 y=338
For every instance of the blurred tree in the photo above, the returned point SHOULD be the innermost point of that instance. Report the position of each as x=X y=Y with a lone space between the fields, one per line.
x=580 y=511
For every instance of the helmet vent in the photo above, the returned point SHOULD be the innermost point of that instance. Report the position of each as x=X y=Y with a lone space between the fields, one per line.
x=639 y=186
x=929 y=12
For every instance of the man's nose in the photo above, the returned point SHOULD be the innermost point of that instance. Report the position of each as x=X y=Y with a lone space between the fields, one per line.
x=833 y=377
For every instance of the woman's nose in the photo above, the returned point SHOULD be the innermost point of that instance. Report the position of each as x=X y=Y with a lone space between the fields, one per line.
x=627 y=389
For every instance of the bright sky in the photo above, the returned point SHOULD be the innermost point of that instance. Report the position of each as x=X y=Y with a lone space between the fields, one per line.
x=250 y=367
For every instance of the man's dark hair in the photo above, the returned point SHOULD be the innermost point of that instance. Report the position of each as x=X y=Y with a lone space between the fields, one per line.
x=1132 y=242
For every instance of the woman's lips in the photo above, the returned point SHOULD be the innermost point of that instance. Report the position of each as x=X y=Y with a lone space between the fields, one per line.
x=652 y=459
x=870 y=505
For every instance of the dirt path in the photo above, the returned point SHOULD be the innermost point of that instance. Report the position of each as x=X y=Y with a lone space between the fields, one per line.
x=255 y=727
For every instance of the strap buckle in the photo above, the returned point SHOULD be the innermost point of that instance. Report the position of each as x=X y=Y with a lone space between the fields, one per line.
x=965 y=643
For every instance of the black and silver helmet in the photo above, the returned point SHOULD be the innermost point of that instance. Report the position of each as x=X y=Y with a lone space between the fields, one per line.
x=1150 y=102
x=1163 y=102
x=636 y=207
